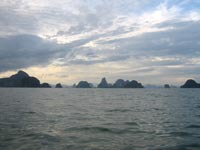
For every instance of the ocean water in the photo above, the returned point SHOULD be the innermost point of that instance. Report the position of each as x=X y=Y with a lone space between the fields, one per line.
x=99 y=119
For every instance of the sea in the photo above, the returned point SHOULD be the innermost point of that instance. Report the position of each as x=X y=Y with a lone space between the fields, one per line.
x=99 y=119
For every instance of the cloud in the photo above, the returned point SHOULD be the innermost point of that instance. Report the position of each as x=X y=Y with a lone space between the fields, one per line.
x=138 y=36
x=23 y=51
x=179 y=41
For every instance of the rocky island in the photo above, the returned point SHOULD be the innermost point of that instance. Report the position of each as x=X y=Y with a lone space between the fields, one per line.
x=133 y=84
x=83 y=84
x=120 y=83
x=22 y=79
x=104 y=84
x=191 y=84
x=45 y=85
x=58 y=85
x=167 y=86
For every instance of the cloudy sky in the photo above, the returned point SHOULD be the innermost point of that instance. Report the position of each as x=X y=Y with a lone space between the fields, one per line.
x=154 y=42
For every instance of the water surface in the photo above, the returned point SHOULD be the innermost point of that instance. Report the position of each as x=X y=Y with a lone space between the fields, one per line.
x=99 y=119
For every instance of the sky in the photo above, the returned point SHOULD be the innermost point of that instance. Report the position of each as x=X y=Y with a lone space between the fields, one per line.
x=154 y=42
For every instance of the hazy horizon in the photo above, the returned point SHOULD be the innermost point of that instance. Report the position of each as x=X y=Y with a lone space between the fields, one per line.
x=153 y=42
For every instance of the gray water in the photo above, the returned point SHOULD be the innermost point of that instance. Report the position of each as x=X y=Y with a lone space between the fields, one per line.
x=99 y=119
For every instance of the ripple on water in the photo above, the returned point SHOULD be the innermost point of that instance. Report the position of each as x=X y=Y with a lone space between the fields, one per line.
x=193 y=126
x=181 y=134
x=198 y=116
x=99 y=119
x=198 y=106
x=131 y=123
x=193 y=146
x=119 y=110
x=99 y=130
x=42 y=136
x=29 y=112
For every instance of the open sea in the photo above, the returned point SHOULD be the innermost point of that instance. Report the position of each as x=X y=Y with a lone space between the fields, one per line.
x=99 y=119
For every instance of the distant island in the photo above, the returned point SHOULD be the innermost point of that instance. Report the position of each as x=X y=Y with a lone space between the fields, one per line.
x=83 y=84
x=167 y=86
x=45 y=85
x=58 y=85
x=22 y=79
x=191 y=84
x=120 y=83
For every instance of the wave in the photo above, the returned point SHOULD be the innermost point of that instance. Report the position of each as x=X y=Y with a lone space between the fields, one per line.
x=193 y=126
x=183 y=147
x=119 y=110
x=181 y=134
x=29 y=112
x=100 y=130
x=42 y=136
x=131 y=123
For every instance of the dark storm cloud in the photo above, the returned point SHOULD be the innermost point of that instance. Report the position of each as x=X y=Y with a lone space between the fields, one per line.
x=26 y=50
x=23 y=51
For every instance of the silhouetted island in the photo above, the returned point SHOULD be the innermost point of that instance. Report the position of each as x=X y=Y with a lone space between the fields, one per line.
x=104 y=84
x=120 y=83
x=83 y=84
x=21 y=79
x=166 y=86
x=133 y=84
x=191 y=84
x=58 y=85
x=45 y=85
